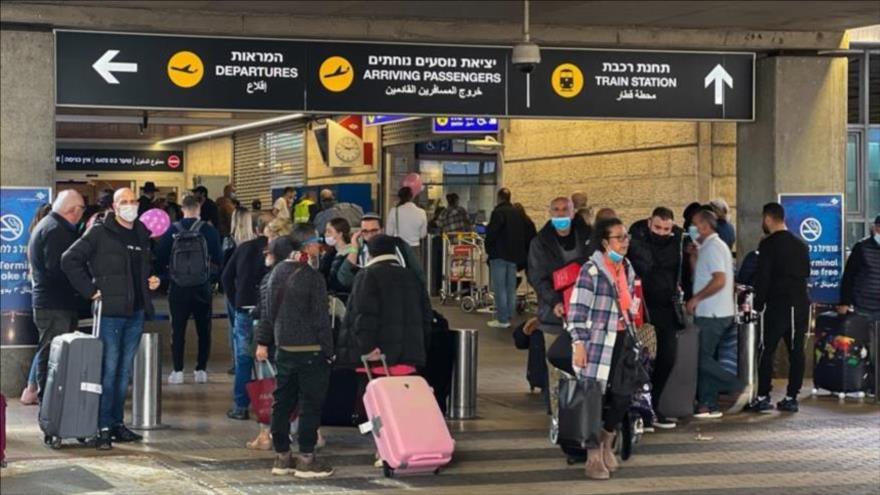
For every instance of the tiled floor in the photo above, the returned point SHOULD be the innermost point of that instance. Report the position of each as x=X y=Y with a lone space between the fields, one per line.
x=829 y=447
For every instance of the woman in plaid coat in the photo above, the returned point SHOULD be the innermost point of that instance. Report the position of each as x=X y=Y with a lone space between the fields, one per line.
x=601 y=308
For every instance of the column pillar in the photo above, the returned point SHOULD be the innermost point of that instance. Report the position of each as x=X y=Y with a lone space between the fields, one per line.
x=796 y=143
x=27 y=142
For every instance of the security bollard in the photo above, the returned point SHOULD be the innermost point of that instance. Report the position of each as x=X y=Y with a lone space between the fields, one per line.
x=147 y=388
x=463 y=397
x=749 y=321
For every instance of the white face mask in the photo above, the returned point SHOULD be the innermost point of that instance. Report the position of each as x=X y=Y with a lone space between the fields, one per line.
x=129 y=213
x=330 y=241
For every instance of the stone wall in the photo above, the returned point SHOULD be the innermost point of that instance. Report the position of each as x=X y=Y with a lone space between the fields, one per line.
x=209 y=157
x=629 y=166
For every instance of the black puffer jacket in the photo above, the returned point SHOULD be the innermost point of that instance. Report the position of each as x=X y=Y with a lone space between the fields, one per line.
x=388 y=308
x=101 y=260
x=545 y=257
x=657 y=262
x=49 y=240
x=861 y=278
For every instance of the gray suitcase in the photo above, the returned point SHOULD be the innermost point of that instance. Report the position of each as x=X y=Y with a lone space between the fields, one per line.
x=680 y=390
x=72 y=399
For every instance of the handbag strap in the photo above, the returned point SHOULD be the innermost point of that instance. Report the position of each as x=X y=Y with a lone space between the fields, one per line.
x=678 y=287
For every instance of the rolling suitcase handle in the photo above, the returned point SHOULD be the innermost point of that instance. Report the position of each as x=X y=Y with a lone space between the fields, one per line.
x=97 y=308
x=366 y=361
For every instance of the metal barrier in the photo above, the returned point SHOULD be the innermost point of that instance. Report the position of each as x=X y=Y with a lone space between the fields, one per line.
x=750 y=322
x=463 y=397
x=147 y=387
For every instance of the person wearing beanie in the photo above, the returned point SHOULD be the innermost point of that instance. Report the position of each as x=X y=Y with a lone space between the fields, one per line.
x=388 y=311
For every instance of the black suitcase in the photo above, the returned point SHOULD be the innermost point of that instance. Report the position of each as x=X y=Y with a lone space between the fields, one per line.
x=536 y=364
x=71 y=403
x=343 y=405
x=680 y=391
x=841 y=352
x=440 y=360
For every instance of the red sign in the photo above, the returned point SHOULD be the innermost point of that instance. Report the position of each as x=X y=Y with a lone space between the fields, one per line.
x=354 y=124
x=173 y=161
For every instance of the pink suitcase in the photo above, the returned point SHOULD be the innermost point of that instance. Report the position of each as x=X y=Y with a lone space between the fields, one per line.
x=410 y=432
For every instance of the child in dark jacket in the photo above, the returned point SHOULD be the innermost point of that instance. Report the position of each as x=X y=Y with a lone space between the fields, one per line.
x=294 y=317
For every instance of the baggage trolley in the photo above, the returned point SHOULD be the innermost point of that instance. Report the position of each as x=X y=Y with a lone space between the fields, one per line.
x=465 y=272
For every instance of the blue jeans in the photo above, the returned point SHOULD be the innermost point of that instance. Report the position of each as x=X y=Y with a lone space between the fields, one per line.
x=244 y=362
x=712 y=377
x=503 y=274
x=32 y=374
x=230 y=315
x=121 y=337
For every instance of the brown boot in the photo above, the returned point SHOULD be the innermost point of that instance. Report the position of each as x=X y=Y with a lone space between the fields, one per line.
x=595 y=468
x=608 y=451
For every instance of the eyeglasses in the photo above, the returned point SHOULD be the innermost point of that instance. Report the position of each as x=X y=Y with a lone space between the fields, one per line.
x=621 y=238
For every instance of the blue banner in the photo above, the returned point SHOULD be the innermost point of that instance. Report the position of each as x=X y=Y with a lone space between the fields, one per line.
x=18 y=205
x=818 y=220
x=465 y=125
x=371 y=120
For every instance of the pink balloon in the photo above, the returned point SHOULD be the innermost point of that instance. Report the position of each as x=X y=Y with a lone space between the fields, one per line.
x=414 y=182
x=157 y=221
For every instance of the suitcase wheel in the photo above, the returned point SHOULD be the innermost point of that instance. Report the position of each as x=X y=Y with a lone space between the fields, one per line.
x=468 y=304
x=82 y=440
x=841 y=396
x=52 y=441
x=387 y=470
x=571 y=461
x=436 y=471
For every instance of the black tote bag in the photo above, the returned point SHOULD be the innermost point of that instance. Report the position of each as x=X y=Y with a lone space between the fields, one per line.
x=580 y=412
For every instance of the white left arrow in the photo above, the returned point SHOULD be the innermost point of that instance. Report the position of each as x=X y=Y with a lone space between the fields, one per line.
x=105 y=67
x=720 y=77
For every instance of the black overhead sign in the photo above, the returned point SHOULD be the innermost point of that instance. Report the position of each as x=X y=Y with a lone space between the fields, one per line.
x=187 y=72
x=636 y=85
x=119 y=160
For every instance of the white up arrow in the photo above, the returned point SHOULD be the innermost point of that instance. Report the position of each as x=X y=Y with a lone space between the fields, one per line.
x=105 y=67
x=720 y=77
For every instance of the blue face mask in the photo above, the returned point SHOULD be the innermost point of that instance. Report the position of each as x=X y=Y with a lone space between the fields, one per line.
x=693 y=232
x=561 y=223
x=615 y=256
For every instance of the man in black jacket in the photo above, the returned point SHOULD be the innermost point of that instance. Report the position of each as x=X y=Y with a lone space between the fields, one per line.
x=357 y=255
x=860 y=287
x=656 y=253
x=111 y=262
x=507 y=245
x=388 y=311
x=189 y=298
x=54 y=300
x=241 y=281
x=563 y=240
x=781 y=289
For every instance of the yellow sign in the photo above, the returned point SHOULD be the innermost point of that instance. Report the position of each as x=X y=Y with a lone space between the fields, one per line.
x=185 y=69
x=567 y=80
x=442 y=121
x=336 y=74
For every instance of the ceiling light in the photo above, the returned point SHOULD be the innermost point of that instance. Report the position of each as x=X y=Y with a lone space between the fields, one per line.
x=229 y=130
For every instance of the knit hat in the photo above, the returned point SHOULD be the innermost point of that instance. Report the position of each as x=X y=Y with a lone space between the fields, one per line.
x=281 y=248
x=877 y=220
x=380 y=245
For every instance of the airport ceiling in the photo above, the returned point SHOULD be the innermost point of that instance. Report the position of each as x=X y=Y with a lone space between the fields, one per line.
x=758 y=15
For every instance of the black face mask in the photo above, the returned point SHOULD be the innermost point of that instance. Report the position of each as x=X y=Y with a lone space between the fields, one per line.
x=660 y=239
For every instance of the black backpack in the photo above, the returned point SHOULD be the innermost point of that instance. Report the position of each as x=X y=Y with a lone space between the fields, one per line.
x=190 y=265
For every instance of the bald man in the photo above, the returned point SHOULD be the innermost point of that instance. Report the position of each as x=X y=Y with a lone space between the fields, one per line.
x=54 y=300
x=111 y=262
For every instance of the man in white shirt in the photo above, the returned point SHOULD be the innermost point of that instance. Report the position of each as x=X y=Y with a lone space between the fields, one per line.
x=407 y=221
x=281 y=207
x=713 y=307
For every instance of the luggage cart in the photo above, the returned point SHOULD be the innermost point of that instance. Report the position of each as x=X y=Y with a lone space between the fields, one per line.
x=465 y=272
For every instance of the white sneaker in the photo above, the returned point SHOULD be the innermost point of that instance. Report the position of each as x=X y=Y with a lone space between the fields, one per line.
x=175 y=378
x=200 y=376
x=498 y=324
